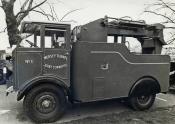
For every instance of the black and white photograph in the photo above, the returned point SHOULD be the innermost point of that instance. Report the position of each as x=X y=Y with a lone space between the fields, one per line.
x=87 y=61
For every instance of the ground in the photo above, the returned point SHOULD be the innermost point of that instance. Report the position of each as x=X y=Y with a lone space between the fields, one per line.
x=105 y=112
x=159 y=116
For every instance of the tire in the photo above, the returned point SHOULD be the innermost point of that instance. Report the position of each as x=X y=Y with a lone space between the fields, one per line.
x=45 y=103
x=143 y=102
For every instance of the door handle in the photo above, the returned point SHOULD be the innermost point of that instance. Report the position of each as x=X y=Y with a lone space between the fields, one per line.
x=104 y=66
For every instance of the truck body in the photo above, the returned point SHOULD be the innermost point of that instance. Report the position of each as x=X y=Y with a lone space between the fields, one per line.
x=85 y=67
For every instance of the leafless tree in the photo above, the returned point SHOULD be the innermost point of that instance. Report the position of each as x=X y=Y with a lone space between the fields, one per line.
x=13 y=20
x=166 y=10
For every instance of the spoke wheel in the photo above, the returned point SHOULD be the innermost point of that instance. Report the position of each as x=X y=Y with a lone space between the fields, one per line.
x=45 y=103
x=142 y=102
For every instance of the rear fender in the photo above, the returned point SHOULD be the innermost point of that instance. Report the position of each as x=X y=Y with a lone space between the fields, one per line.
x=145 y=86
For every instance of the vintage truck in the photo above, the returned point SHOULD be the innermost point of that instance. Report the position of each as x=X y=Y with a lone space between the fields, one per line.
x=54 y=65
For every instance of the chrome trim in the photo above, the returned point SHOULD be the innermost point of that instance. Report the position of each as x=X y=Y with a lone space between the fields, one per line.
x=114 y=52
x=29 y=51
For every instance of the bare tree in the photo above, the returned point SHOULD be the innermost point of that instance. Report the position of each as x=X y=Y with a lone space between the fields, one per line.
x=13 y=20
x=166 y=10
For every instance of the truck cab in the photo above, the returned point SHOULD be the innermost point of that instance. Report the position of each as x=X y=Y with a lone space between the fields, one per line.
x=53 y=65
x=45 y=49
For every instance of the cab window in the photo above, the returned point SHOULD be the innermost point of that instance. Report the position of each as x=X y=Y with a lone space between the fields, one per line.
x=30 y=41
x=55 y=38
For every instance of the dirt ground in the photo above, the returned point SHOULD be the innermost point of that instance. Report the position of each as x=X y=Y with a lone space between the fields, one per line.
x=158 y=116
x=104 y=112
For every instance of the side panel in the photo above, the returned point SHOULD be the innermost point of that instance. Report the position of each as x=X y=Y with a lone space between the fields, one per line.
x=28 y=65
x=119 y=76
x=32 y=63
x=81 y=83
x=104 y=71
x=57 y=62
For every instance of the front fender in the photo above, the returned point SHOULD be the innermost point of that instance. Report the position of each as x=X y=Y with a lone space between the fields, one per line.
x=38 y=81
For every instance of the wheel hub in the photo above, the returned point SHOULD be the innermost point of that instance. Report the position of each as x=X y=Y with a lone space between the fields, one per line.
x=46 y=104
x=143 y=99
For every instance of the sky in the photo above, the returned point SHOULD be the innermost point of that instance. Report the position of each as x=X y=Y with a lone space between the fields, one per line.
x=89 y=11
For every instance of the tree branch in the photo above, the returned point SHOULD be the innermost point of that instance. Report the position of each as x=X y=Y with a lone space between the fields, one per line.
x=166 y=5
x=164 y=16
x=22 y=14
x=51 y=11
x=56 y=16
x=171 y=41
x=43 y=13
x=24 y=5
x=69 y=13
x=30 y=9
x=170 y=27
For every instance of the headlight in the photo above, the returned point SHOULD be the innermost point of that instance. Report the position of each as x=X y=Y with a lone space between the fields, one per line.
x=4 y=70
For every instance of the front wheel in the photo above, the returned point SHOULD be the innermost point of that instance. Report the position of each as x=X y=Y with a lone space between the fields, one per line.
x=142 y=102
x=45 y=103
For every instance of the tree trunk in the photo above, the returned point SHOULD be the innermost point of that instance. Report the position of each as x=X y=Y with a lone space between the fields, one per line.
x=12 y=25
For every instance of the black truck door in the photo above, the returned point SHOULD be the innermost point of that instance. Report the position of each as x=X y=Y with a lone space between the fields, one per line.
x=56 y=54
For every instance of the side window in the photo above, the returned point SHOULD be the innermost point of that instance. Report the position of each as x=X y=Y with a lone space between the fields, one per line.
x=30 y=41
x=38 y=41
x=110 y=39
x=131 y=43
x=55 y=39
x=114 y=39
x=48 y=41
x=119 y=39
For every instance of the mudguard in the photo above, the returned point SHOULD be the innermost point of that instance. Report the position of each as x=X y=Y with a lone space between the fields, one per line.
x=146 y=86
x=38 y=81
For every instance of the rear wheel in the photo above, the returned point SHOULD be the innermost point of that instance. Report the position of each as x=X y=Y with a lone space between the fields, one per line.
x=45 y=103
x=142 y=102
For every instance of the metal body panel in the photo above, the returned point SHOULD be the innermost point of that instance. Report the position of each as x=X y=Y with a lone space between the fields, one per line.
x=56 y=63
x=107 y=71
x=31 y=64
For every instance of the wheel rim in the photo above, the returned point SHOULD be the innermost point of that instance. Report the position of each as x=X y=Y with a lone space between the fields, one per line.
x=46 y=104
x=144 y=100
